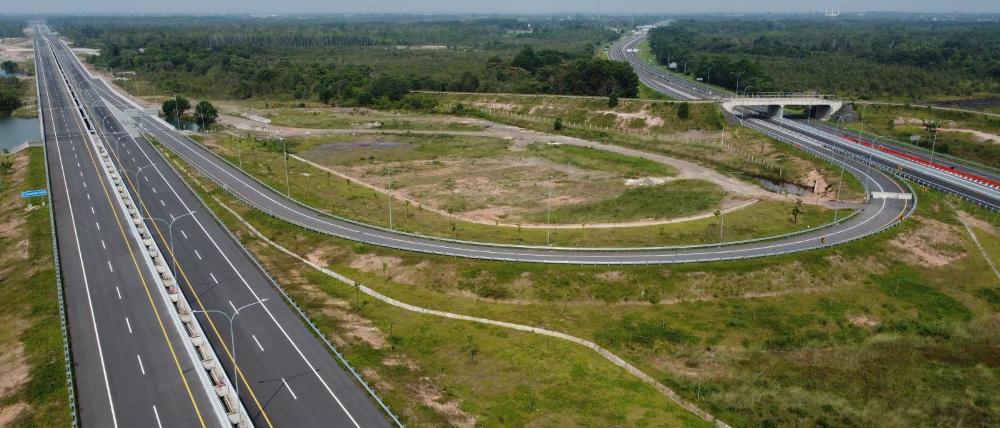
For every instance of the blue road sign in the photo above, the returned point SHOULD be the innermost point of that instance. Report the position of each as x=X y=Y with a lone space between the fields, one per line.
x=33 y=193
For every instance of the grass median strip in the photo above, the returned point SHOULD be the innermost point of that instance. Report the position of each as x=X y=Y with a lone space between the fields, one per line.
x=32 y=367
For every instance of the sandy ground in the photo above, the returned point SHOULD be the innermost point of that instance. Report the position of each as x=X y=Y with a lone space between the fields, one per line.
x=15 y=49
x=501 y=183
x=950 y=127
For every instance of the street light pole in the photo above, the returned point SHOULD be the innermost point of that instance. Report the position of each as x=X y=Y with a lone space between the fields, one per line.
x=170 y=233
x=136 y=174
x=548 y=214
x=389 y=199
x=232 y=341
x=284 y=150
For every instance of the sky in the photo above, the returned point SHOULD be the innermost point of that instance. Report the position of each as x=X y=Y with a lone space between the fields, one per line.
x=487 y=6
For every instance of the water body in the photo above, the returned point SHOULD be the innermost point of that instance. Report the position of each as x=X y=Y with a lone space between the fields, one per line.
x=16 y=130
x=184 y=125
x=790 y=188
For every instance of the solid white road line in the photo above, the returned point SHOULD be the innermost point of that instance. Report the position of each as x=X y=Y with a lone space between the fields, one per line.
x=141 y=368
x=289 y=388
x=254 y=336
x=83 y=268
x=157 y=415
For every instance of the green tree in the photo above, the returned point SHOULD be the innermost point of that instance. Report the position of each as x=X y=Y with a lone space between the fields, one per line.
x=6 y=167
x=796 y=211
x=205 y=114
x=684 y=111
x=9 y=66
x=557 y=124
x=613 y=100
x=175 y=106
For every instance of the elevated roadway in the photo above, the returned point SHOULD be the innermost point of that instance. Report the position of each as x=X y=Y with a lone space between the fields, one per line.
x=802 y=132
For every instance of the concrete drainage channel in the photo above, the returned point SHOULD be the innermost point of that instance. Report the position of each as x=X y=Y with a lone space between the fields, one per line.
x=228 y=408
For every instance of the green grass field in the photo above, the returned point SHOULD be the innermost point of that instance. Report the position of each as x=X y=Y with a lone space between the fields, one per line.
x=30 y=308
x=861 y=334
x=313 y=187
x=431 y=371
x=362 y=118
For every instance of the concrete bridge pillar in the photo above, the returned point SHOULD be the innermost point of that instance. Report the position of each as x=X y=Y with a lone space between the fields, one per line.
x=821 y=112
x=776 y=110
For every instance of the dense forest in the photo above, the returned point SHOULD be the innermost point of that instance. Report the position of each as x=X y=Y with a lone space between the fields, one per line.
x=914 y=58
x=12 y=27
x=12 y=92
x=352 y=62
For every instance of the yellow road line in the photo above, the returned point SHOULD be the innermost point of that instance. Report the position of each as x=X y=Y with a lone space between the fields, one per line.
x=197 y=297
x=142 y=279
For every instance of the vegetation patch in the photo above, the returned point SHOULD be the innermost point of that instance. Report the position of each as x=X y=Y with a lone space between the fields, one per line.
x=32 y=367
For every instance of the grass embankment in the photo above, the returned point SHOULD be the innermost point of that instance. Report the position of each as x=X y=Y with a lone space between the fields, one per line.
x=439 y=372
x=314 y=187
x=956 y=136
x=894 y=330
x=32 y=367
x=656 y=127
x=363 y=118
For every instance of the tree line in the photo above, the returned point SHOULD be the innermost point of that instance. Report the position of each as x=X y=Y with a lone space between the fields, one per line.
x=880 y=57
x=12 y=92
x=289 y=60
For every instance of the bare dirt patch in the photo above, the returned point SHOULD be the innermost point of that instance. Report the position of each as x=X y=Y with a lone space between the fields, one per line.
x=950 y=126
x=502 y=189
x=932 y=244
x=626 y=120
x=861 y=320
x=10 y=413
x=367 y=144
x=431 y=396
x=972 y=221
x=14 y=369
x=15 y=49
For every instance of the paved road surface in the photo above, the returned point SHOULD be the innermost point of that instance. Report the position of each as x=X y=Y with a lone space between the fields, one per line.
x=287 y=376
x=130 y=363
x=802 y=132
x=877 y=216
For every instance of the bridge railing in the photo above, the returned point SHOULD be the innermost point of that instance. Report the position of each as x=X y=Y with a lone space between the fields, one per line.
x=757 y=95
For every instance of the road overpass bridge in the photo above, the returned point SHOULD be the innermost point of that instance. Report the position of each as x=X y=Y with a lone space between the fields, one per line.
x=820 y=107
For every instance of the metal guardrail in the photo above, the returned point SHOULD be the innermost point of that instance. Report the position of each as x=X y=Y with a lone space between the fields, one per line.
x=60 y=290
x=459 y=241
x=284 y=294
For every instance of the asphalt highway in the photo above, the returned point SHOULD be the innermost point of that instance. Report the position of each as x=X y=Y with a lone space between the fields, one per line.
x=131 y=368
x=878 y=215
x=286 y=376
x=810 y=133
